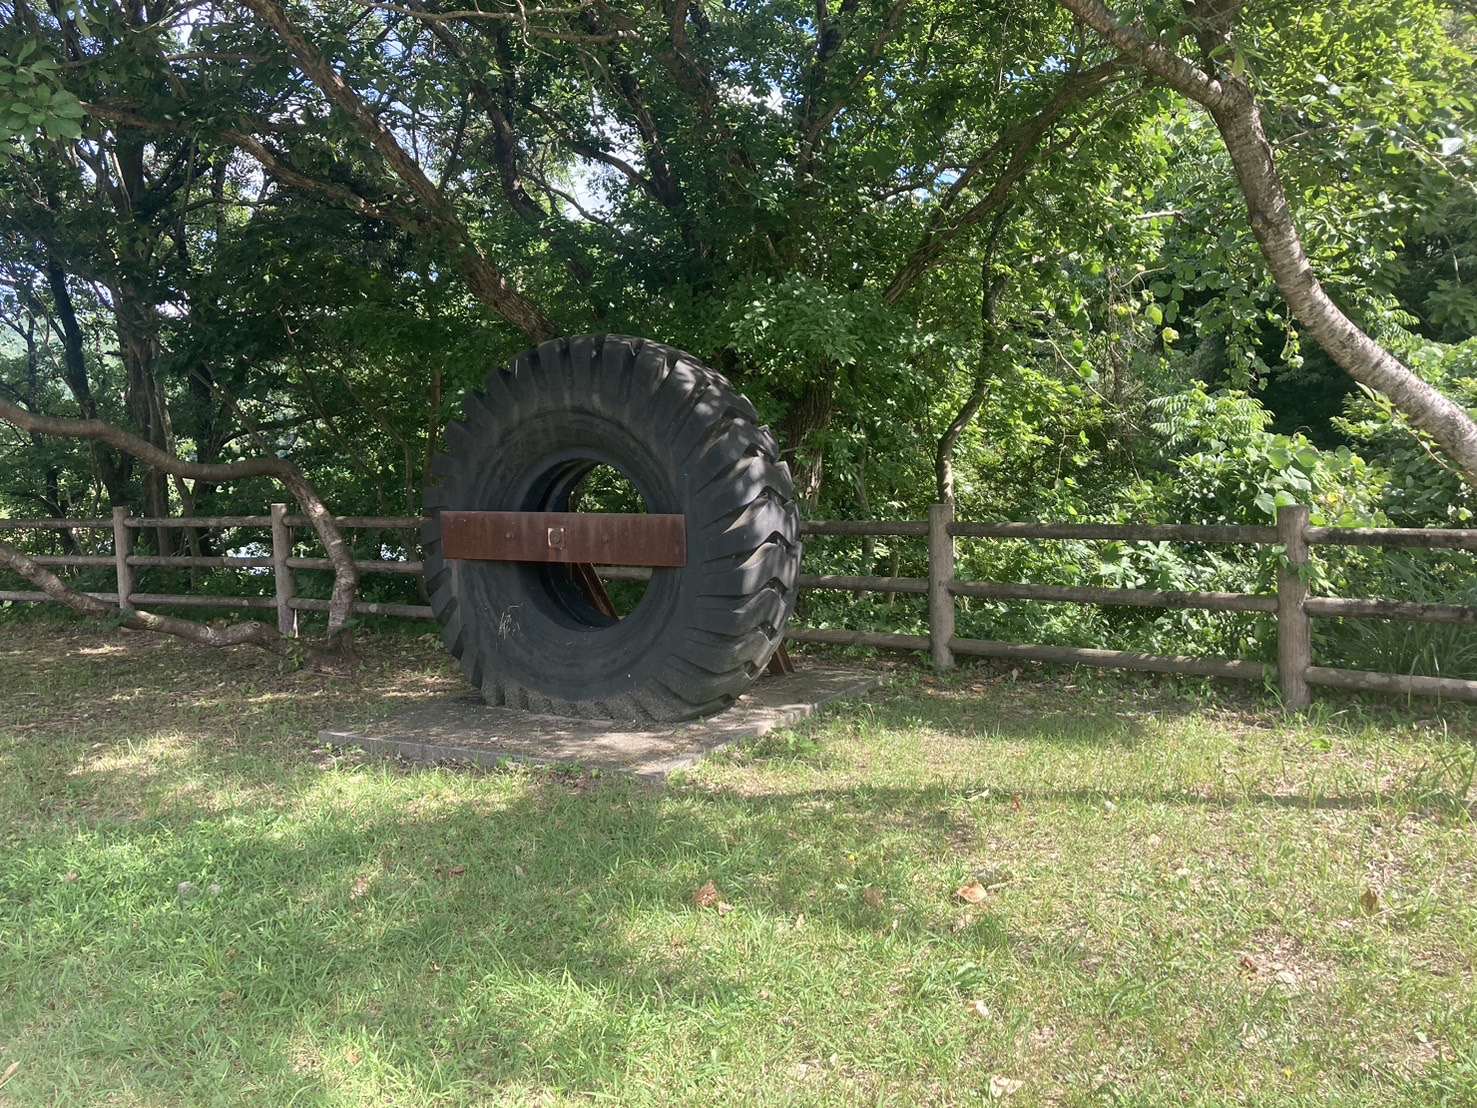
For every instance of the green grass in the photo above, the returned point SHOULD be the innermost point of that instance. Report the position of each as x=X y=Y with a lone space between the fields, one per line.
x=1190 y=899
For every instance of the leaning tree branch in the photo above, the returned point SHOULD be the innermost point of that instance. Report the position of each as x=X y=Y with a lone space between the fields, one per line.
x=1233 y=105
x=485 y=280
x=1133 y=40
x=237 y=634
x=345 y=576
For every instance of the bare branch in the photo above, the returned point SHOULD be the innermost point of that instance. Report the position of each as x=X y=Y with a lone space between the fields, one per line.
x=253 y=146
x=587 y=149
x=345 y=576
x=585 y=214
x=257 y=634
x=521 y=18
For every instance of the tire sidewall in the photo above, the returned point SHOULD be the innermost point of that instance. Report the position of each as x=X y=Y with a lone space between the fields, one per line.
x=514 y=597
x=689 y=446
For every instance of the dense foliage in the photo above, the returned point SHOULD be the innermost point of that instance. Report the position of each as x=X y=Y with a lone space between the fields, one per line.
x=876 y=217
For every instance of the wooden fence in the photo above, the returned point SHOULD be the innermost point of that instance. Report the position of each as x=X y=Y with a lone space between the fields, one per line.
x=1291 y=605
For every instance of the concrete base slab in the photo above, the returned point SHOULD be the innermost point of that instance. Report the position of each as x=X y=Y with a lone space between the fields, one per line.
x=464 y=729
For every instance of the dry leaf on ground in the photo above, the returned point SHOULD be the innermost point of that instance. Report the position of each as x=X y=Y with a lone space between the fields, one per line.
x=1001 y=1087
x=972 y=893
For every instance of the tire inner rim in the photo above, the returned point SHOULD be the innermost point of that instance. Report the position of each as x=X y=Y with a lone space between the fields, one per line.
x=560 y=585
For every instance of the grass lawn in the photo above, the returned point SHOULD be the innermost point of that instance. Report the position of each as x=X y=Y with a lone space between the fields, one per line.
x=1184 y=898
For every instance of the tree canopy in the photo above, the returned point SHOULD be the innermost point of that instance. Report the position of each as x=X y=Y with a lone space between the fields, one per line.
x=948 y=249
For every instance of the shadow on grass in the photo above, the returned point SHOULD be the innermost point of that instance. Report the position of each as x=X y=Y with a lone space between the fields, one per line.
x=536 y=940
x=275 y=930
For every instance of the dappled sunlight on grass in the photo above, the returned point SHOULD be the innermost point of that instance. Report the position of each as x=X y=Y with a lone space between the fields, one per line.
x=102 y=651
x=1182 y=901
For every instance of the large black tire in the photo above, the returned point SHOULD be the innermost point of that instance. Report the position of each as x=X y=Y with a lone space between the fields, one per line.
x=526 y=634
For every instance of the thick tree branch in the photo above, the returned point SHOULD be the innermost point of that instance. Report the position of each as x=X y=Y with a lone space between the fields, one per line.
x=345 y=576
x=812 y=132
x=1021 y=140
x=257 y=634
x=485 y=280
x=1233 y=106
x=504 y=137
x=829 y=38
x=1135 y=42
x=687 y=70
x=665 y=186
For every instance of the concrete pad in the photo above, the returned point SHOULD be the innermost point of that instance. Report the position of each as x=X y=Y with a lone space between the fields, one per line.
x=464 y=729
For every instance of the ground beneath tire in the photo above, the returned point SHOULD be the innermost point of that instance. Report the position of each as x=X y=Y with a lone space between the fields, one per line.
x=464 y=729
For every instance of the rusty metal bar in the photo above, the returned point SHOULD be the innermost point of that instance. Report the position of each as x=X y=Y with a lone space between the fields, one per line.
x=594 y=589
x=780 y=664
x=598 y=538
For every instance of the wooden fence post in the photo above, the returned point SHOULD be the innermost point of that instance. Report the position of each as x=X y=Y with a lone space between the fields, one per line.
x=940 y=577
x=122 y=548
x=1294 y=641
x=281 y=573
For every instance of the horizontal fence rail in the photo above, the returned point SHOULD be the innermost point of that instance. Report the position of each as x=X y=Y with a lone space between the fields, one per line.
x=1290 y=604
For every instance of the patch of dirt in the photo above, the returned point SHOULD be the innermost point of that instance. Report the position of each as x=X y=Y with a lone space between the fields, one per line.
x=104 y=687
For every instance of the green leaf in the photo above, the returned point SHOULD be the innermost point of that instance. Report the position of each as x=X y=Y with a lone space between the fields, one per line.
x=61 y=127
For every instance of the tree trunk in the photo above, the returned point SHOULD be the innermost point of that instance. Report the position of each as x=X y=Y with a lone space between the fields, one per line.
x=810 y=414
x=114 y=476
x=1356 y=353
x=144 y=399
x=1229 y=100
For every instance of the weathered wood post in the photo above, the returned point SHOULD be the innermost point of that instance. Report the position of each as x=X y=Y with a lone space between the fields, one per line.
x=1294 y=640
x=282 y=573
x=940 y=577
x=122 y=549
